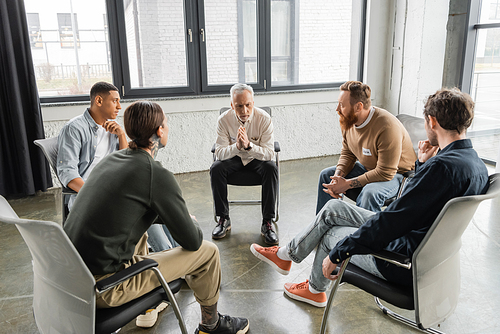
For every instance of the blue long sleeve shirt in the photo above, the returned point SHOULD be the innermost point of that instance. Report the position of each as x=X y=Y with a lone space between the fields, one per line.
x=455 y=171
x=77 y=145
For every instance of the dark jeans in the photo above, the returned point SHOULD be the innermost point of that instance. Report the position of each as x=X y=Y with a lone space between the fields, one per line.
x=267 y=170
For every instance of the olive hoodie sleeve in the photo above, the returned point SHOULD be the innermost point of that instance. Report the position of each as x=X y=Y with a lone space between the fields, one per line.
x=166 y=200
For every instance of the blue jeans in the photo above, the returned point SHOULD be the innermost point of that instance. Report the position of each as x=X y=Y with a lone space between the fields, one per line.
x=160 y=239
x=333 y=223
x=372 y=196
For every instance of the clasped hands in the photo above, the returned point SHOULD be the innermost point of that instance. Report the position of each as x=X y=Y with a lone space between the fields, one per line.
x=242 y=140
x=337 y=186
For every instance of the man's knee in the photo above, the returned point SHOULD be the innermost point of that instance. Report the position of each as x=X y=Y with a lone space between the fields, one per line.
x=324 y=175
x=216 y=168
x=333 y=205
x=210 y=249
x=370 y=194
x=270 y=168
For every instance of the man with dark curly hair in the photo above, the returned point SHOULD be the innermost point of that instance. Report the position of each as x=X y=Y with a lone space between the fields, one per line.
x=447 y=167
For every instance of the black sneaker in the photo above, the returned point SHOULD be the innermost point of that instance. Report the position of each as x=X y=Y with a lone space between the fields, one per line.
x=222 y=227
x=226 y=325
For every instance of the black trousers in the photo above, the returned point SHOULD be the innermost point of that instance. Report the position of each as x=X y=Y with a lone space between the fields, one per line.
x=267 y=170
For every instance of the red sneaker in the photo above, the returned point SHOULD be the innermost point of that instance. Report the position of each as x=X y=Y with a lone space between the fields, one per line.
x=300 y=292
x=268 y=255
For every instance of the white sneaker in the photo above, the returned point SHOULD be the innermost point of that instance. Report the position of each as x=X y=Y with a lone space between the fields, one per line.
x=149 y=318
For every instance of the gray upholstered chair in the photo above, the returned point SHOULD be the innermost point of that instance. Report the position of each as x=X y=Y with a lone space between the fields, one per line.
x=49 y=148
x=64 y=290
x=435 y=267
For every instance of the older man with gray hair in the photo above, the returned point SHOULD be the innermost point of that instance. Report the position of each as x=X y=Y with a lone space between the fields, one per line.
x=245 y=141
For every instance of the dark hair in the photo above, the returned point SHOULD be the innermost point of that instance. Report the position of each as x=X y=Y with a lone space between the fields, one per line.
x=360 y=92
x=101 y=88
x=453 y=109
x=142 y=119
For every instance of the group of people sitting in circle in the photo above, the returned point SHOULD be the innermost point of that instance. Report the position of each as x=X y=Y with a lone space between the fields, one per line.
x=129 y=207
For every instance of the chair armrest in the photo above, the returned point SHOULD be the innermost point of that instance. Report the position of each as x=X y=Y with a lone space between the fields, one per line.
x=394 y=258
x=68 y=191
x=277 y=147
x=213 y=148
x=125 y=274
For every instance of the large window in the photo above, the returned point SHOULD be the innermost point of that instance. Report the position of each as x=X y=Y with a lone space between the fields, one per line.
x=483 y=78
x=74 y=50
x=193 y=47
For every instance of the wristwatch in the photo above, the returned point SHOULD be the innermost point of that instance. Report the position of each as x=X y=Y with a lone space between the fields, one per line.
x=249 y=147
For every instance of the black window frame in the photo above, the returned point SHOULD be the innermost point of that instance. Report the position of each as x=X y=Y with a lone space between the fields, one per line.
x=196 y=56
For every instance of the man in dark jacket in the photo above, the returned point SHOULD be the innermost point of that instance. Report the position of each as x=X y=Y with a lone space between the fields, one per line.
x=341 y=230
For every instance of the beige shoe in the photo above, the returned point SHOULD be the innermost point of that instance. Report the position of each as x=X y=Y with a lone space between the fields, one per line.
x=148 y=319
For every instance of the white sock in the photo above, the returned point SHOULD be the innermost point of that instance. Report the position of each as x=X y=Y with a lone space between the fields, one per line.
x=312 y=290
x=283 y=254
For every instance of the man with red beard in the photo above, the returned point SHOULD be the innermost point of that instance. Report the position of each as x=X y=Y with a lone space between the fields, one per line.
x=376 y=151
x=447 y=167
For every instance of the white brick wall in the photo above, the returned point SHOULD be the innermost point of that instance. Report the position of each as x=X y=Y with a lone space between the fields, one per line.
x=221 y=41
x=324 y=41
x=162 y=43
x=300 y=129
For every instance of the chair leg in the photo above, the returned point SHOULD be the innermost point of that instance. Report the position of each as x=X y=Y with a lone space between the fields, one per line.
x=277 y=202
x=404 y=320
x=278 y=194
x=332 y=295
x=171 y=299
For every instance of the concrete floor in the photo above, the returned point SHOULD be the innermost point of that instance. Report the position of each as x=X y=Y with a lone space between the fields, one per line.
x=251 y=288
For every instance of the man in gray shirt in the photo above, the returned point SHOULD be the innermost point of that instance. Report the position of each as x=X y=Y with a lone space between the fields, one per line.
x=87 y=138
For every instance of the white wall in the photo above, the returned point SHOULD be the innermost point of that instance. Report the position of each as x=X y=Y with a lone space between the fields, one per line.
x=417 y=57
x=306 y=125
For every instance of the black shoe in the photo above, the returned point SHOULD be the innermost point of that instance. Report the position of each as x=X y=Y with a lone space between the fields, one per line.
x=270 y=237
x=226 y=325
x=221 y=228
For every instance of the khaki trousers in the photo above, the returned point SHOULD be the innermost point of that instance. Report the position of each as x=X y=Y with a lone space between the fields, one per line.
x=200 y=268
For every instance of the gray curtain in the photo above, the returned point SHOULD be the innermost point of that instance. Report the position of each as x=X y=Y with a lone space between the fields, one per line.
x=23 y=168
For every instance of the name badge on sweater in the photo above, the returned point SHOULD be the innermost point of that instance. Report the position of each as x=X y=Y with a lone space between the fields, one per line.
x=366 y=151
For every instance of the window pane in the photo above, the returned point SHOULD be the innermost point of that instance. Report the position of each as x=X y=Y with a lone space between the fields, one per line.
x=485 y=129
x=34 y=30
x=310 y=41
x=66 y=30
x=490 y=11
x=156 y=43
x=231 y=41
x=60 y=68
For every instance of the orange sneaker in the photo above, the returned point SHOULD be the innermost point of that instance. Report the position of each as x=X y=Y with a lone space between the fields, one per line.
x=300 y=292
x=268 y=255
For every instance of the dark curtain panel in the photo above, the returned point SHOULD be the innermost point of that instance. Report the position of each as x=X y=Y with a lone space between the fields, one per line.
x=23 y=168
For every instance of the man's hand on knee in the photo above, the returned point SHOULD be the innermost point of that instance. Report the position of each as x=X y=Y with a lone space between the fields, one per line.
x=333 y=187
